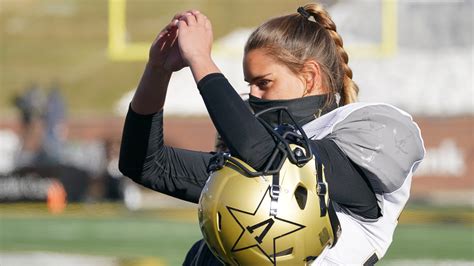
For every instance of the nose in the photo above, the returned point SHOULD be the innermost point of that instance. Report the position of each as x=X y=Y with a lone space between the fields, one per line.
x=255 y=91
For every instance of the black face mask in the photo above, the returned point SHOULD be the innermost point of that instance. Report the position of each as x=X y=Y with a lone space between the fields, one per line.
x=303 y=109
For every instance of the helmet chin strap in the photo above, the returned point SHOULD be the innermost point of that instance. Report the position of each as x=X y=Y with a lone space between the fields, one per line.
x=321 y=185
x=274 y=194
x=321 y=189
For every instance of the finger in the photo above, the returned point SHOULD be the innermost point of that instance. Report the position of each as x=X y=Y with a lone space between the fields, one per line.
x=200 y=18
x=179 y=15
x=165 y=32
x=182 y=14
x=182 y=25
x=169 y=32
x=172 y=25
x=174 y=38
x=190 y=19
x=208 y=25
x=164 y=37
x=159 y=42
x=173 y=34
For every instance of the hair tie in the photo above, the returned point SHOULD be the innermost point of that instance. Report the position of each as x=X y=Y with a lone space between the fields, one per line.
x=303 y=12
x=306 y=14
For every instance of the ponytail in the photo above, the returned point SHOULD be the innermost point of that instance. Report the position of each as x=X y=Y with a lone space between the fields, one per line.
x=350 y=90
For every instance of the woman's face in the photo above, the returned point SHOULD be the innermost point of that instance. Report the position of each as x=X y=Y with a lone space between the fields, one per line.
x=269 y=79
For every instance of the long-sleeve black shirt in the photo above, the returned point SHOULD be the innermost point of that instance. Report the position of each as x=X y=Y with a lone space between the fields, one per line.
x=182 y=173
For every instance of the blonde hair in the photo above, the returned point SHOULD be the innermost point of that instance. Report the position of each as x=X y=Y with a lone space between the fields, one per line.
x=294 y=39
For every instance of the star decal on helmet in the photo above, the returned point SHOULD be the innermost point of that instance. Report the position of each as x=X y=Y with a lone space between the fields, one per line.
x=262 y=233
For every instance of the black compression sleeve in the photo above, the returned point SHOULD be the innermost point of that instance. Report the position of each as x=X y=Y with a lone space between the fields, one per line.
x=245 y=137
x=348 y=185
x=144 y=159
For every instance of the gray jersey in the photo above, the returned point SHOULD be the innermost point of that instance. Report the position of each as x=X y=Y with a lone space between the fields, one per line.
x=385 y=141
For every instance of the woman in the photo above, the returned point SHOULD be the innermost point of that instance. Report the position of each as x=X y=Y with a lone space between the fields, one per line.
x=298 y=61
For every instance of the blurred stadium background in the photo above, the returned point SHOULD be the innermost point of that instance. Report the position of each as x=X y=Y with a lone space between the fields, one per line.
x=67 y=70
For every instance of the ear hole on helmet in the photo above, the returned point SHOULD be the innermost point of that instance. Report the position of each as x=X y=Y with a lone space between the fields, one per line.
x=285 y=252
x=219 y=221
x=301 y=195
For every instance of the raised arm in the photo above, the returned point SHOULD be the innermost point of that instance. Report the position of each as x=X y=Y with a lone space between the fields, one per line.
x=143 y=156
x=164 y=59
x=241 y=132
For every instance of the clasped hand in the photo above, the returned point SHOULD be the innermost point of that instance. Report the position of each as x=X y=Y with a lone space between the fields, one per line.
x=187 y=39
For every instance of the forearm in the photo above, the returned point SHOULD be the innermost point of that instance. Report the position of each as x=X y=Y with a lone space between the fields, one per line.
x=150 y=95
x=240 y=130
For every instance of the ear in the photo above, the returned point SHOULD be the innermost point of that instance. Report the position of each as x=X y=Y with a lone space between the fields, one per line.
x=311 y=75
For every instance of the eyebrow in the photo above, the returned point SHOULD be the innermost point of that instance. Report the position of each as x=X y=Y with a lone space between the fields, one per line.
x=257 y=77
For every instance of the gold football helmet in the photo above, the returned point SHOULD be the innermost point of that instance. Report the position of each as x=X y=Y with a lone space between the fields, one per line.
x=280 y=215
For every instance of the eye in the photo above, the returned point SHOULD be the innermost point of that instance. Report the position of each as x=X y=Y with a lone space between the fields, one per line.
x=263 y=83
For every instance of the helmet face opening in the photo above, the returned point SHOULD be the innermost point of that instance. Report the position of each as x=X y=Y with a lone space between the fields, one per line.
x=277 y=215
x=219 y=222
x=301 y=195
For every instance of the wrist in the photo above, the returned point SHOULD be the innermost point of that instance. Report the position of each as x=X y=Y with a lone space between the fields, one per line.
x=158 y=69
x=201 y=67
x=199 y=61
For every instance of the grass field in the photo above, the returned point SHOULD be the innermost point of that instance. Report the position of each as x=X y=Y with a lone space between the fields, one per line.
x=125 y=237
x=110 y=230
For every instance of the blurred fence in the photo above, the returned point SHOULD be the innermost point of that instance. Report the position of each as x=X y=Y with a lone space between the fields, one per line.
x=443 y=178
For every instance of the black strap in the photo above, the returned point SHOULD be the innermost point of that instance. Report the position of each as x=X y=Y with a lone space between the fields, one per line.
x=321 y=185
x=321 y=188
x=372 y=260
x=274 y=194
